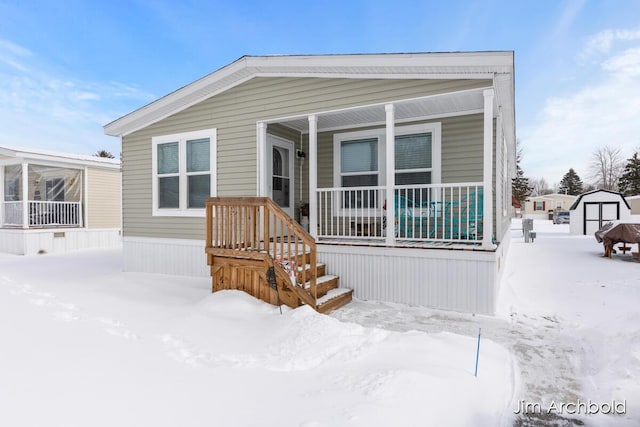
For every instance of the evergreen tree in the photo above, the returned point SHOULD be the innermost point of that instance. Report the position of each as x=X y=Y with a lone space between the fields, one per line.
x=629 y=182
x=104 y=153
x=571 y=183
x=520 y=188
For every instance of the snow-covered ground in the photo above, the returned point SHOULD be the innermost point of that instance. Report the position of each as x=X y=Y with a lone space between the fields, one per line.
x=569 y=317
x=84 y=344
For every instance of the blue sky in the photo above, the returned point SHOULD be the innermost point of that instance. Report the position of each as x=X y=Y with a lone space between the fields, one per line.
x=68 y=68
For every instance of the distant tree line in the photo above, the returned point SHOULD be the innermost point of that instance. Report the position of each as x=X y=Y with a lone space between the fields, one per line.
x=608 y=170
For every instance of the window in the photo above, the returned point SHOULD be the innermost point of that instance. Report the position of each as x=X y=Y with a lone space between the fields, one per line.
x=538 y=206
x=183 y=169
x=359 y=168
x=413 y=159
x=413 y=166
x=359 y=161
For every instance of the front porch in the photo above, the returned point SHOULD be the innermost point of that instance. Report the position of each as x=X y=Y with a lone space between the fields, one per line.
x=430 y=215
x=434 y=187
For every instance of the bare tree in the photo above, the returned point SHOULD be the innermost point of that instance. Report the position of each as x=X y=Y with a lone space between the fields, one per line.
x=539 y=186
x=606 y=167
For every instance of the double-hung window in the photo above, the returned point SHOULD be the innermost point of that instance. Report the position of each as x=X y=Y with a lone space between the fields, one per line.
x=183 y=168
x=360 y=162
x=359 y=168
x=413 y=165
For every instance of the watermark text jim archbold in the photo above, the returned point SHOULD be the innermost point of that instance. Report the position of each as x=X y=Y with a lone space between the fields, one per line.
x=579 y=407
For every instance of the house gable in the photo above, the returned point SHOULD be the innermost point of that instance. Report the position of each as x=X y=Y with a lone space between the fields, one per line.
x=497 y=66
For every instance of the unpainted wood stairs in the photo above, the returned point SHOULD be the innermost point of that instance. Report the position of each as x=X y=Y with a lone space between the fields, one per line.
x=329 y=295
x=248 y=272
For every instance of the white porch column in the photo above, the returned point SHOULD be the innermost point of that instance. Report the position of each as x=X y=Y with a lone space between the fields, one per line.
x=25 y=195
x=390 y=237
x=501 y=176
x=2 y=204
x=263 y=179
x=487 y=180
x=84 y=213
x=313 y=175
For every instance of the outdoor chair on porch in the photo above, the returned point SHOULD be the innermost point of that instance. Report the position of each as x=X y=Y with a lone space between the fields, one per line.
x=463 y=218
x=411 y=217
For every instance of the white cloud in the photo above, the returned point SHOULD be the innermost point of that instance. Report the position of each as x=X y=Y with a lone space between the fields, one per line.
x=569 y=128
x=625 y=65
x=14 y=49
x=602 y=42
x=41 y=110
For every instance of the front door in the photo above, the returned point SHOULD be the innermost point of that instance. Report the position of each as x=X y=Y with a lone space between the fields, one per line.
x=280 y=164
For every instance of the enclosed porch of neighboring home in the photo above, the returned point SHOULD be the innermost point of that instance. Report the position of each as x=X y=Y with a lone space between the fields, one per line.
x=37 y=196
x=56 y=202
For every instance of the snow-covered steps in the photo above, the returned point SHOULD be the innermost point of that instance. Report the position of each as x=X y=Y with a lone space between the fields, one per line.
x=320 y=271
x=335 y=298
x=324 y=284
x=327 y=292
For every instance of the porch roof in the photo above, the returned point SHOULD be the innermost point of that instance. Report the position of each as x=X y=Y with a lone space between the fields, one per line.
x=15 y=155
x=441 y=105
x=498 y=66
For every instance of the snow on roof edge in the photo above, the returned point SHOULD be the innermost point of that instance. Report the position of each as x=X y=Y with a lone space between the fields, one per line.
x=58 y=156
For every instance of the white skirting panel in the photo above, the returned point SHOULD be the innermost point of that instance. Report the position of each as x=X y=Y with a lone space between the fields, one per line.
x=465 y=281
x=178 y=257
x=31 y=242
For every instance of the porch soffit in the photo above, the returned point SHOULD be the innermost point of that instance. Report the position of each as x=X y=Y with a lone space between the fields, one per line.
x=405 y=110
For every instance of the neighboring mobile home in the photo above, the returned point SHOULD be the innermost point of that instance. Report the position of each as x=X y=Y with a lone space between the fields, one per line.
x=313 y=133
x=55 y=202
x=634 y=204
x=538 y=207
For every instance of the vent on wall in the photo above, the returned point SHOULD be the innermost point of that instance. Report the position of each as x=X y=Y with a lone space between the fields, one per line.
x=58 y=234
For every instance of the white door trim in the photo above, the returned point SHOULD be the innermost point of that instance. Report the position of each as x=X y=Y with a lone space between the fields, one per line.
x=275 y=141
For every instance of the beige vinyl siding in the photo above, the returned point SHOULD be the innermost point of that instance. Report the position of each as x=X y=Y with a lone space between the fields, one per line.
x=634 y=203
x=103 y=198
x=234 y=114
x=462 y=150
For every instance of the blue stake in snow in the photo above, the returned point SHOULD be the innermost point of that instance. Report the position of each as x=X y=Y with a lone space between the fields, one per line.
x=477 y=353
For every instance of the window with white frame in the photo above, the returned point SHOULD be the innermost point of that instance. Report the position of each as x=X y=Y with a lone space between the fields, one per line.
x=413 y=159
x=183 y=169
x=359 y=168
x=359 y=162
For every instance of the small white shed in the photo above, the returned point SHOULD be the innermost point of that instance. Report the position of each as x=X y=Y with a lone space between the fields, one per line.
x=595 y=208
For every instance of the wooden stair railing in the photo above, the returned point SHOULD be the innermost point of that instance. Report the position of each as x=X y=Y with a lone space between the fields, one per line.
x=257 y=229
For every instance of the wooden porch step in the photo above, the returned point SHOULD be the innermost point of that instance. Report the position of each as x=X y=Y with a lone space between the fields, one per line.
x=320 y=271
x=324 y=284
x=335 y=298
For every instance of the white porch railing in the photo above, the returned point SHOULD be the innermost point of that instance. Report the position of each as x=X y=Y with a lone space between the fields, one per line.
x=423 y=213
x=43 y=214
